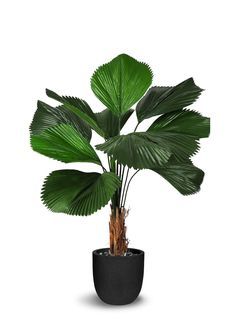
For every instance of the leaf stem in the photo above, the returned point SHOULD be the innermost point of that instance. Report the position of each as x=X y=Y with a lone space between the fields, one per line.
x=124 y=187
x=113 y=170
x=136 y=127
x=104 y=169
x=121 y=179
x=123 y=204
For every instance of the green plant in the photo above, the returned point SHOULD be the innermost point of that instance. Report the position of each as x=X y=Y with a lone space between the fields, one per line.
x=64 y=133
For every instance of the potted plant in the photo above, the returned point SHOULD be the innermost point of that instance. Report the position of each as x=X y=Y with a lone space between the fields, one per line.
x=166 y=148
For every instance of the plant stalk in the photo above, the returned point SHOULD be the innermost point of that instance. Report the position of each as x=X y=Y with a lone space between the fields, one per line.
x=118 y=241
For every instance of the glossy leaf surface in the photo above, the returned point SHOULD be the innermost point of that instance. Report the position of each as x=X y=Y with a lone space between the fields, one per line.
x=120 y=83
x=64 y=143
x=149 y=149
x=185 y=122
x=78 y=193
x=185 y=177
x=79 y=107
x=109 y=122
x=47 y=116
x=160 y=100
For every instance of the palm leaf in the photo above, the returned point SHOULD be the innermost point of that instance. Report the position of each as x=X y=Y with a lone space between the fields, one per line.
x=160 y=100
x=120 y=83
x=135 y=150
x=185 y=177
x=78 y=193
x=185 y=122
x=110 y=123
x=64 y=143
x=80 y=108
x=149 y=149
x=181 y=146
x=47 y=116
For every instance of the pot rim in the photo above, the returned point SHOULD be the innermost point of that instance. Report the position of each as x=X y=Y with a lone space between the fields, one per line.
x=136 y=253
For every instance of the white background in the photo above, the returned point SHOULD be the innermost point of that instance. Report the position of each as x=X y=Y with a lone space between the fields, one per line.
x=190 y=242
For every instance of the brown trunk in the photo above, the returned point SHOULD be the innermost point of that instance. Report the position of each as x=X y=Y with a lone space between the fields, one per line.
x=118 y=240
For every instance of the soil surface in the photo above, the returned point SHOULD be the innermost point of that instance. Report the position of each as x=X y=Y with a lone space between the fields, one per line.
x=108 y=254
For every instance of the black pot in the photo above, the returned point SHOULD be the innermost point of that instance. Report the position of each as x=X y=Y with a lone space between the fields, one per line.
x=118 y=279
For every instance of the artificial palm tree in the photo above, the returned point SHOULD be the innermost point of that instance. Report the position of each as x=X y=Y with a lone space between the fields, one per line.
x=64 y=133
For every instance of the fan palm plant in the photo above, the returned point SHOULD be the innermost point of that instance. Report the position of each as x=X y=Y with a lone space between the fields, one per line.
x=64 y=133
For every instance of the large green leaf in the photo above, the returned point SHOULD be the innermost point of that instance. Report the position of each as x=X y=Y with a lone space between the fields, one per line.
x=136 y=150
x=185 y=177
x=110 y=123
x=78 y=193
x=120 y=83
x=159 y=100
x=149 y=149
x=181 y=146
x=64 y=143
x=47 y=116
x=80 y=108
x=185 y=122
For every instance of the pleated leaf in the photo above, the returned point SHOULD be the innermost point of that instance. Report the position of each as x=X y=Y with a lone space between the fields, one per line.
x=110 y=122
x=136 y=150
x=80 y=108
x=149 y=149
x=185 y=122
x=64 y=143
x=181 y=146
x=78 y=193
x=120 y=83
x=185 y=177
x=160 y=100
x=47 y=116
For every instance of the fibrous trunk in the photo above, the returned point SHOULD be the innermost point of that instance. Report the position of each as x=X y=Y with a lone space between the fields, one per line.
x=118 y=240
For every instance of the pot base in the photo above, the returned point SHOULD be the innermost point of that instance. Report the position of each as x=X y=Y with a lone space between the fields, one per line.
x=118 y=279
